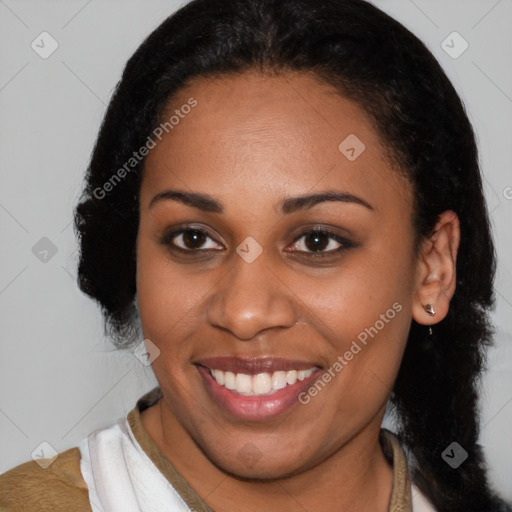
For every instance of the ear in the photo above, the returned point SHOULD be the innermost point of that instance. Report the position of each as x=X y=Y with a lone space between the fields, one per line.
x=436 y=274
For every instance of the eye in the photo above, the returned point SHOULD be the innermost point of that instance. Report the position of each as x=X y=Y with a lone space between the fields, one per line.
x=321 y=242
x=315 y=242
x=189 y=240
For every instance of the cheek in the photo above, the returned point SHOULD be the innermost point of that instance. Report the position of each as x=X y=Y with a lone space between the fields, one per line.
x=367 y=290
x=367 y=327
x=365 y=314
x=166 y=296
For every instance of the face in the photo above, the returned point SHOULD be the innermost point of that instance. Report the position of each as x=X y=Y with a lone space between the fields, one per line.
x=281 y=316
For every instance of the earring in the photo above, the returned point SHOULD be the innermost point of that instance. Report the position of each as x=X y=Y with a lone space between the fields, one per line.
x=429 y=308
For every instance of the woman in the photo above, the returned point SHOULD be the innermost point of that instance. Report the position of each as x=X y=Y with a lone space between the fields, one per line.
x=285 y=199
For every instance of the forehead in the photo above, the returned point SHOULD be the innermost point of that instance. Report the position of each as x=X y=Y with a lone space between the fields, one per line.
x=279 y=135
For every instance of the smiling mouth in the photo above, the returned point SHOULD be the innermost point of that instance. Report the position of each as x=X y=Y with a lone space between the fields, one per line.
x=256 y=376
x=255 y=388
x=260 y=384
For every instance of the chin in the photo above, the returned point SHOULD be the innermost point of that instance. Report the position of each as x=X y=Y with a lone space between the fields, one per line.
x=250 y=464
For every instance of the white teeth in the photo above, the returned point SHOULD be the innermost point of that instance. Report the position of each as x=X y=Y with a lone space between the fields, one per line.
x=243 y=383
x=279 y=380
x=219 y=376
x=261 y=383
x=291 y=377
x=229 y=380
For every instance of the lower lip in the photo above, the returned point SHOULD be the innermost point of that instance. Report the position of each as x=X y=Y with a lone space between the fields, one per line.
x=255 y=407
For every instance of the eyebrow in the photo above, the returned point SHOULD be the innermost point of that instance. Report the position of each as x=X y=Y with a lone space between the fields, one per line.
x=207 y=203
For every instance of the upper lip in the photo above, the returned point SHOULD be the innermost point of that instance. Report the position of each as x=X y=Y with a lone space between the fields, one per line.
x=254 y=365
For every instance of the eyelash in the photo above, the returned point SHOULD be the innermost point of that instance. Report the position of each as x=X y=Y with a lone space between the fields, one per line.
x=345 y=244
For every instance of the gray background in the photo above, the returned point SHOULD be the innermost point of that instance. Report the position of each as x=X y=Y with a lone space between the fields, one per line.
x=60 y=378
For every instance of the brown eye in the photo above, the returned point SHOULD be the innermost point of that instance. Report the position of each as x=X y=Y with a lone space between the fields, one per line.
x=190 y=240
x=320 y=242
x=193 y=238
x=316 y=241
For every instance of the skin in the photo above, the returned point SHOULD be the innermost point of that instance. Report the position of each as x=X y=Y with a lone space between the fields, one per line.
x=251 y=142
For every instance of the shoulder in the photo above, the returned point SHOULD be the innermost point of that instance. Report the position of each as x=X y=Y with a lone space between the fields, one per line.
x=58 y=488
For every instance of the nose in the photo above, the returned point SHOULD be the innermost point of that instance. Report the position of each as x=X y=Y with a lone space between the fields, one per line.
x=251 y=299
